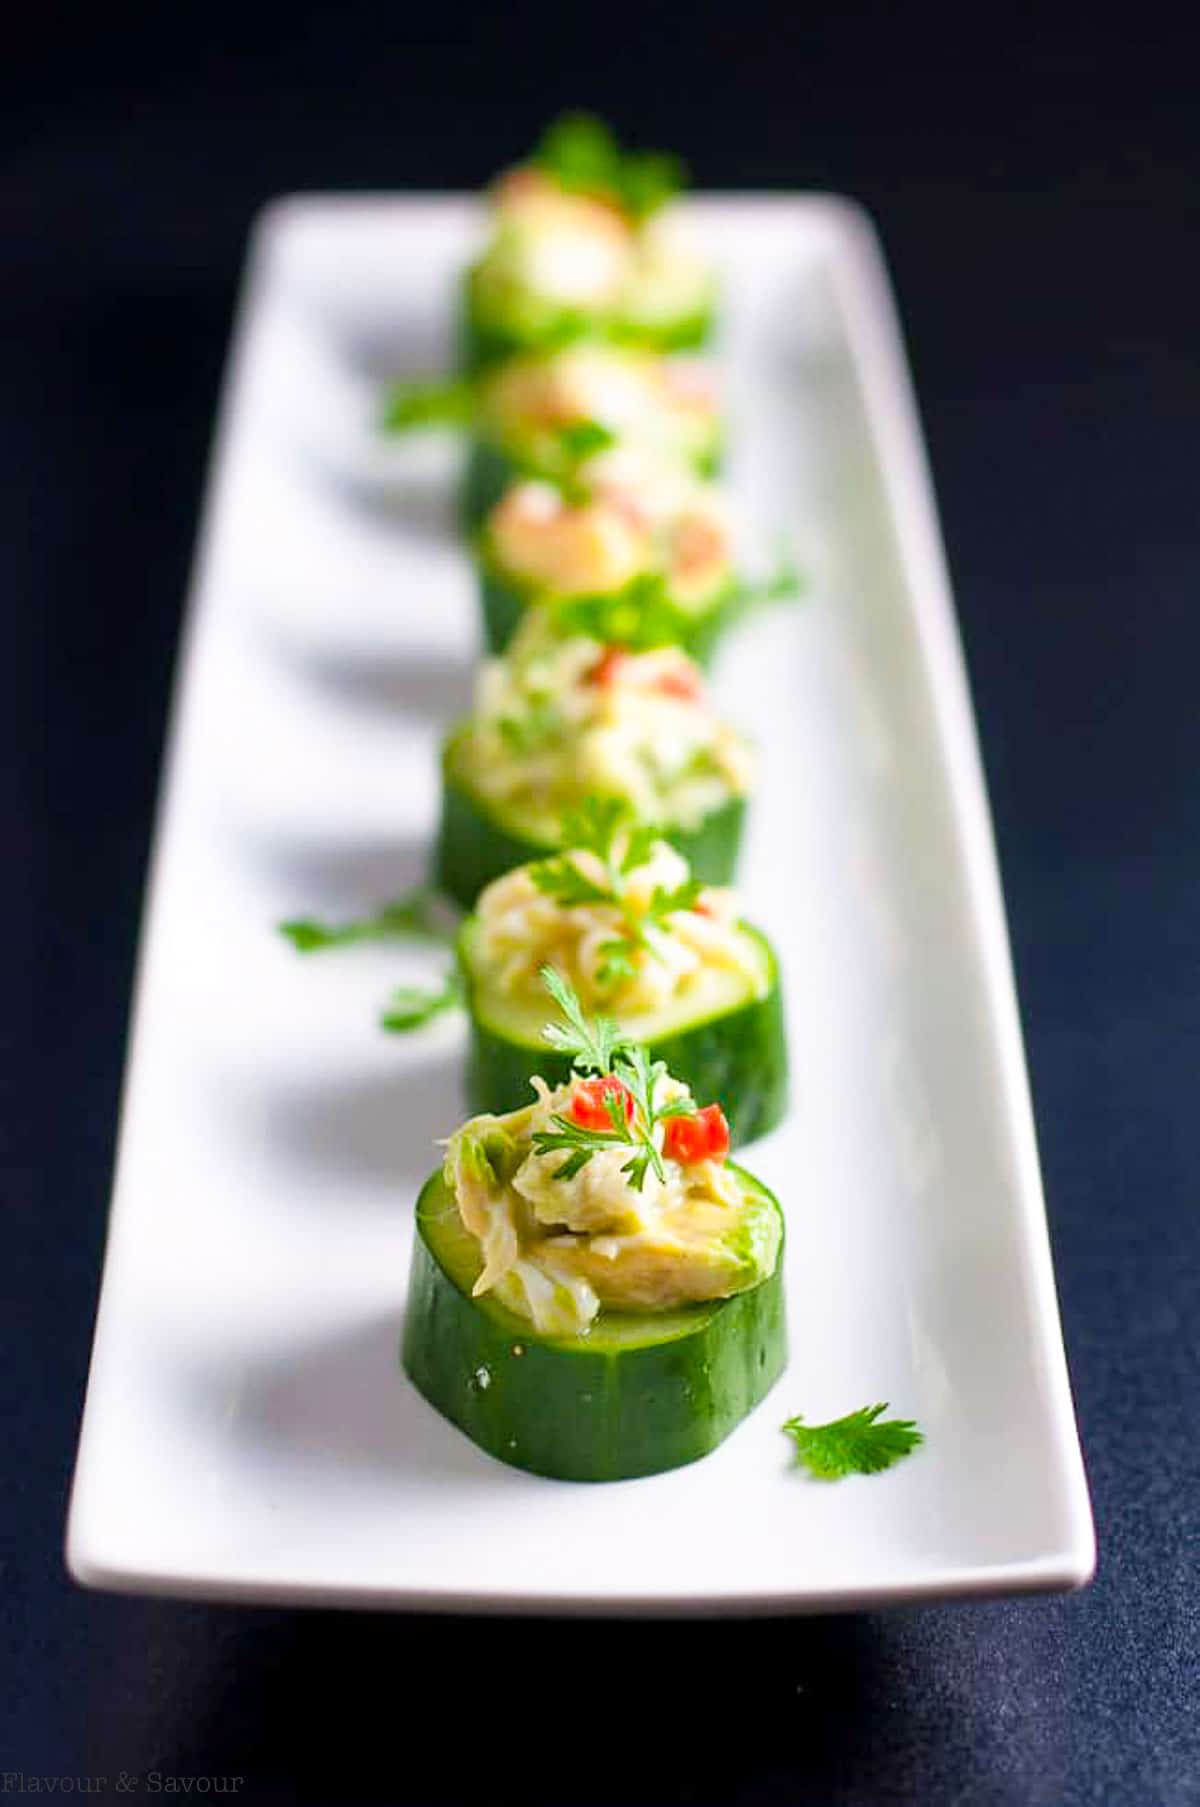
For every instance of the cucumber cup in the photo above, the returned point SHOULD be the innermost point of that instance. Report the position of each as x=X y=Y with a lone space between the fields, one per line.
x=596 y=1292
x=479 y=841
x=640 y=1393
x=725 y=1038
x=580 y=247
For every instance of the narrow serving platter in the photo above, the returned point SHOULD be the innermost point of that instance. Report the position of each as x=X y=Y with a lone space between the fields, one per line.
x=248 y=1432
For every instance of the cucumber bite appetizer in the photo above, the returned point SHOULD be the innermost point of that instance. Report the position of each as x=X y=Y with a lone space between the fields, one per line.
x=543 y=416
x=630 y=532
x=596 y=1291
x=583 y=245
x=563 y=717
x=668 y=958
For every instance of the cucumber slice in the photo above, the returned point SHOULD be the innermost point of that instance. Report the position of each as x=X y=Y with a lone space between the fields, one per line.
x=697 y=626
x=488 y=472
x=475 y=845
x=733 y=1051
x=642 y=1392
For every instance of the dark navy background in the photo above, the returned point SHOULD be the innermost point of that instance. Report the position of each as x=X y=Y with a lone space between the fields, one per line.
x=1035 y=180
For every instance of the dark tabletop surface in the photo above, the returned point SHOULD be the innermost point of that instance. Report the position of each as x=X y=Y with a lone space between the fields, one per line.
x=1035 y=180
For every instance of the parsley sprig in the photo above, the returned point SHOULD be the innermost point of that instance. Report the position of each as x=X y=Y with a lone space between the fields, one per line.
x=640 y=616
x=863 y=1442
x=412 y=1006
x=597 y=1046
x=583 y=157
x=592 y=1042
x=604 y=827
x=450 y=402
x=420 y=913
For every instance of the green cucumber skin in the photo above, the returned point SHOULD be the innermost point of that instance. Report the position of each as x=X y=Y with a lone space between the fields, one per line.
x=738 y=1060
x=484 y=342
x=574 y=1413
x=473 y=848
x=489 y=471
x=503 y=604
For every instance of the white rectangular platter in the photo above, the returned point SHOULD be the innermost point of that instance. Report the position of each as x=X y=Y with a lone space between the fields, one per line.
x=248 y=1433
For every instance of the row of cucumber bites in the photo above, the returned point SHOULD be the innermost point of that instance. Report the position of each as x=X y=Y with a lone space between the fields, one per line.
x=596 y=1288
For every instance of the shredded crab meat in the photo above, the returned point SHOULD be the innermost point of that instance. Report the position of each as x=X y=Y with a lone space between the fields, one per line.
x=644 y=513
x=547 y=733
x=522 y=929
x=556 y=1250
x=634 y=395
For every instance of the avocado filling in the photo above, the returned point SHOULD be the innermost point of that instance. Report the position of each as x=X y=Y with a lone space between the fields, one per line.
x=564 y=717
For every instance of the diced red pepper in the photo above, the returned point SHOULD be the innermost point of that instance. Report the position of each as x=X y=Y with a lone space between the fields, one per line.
x=607 y=668
x=702 y=907
x=702 y=1137
x=587 y=1102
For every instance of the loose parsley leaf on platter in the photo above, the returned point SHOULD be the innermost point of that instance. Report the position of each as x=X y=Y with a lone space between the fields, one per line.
x=784 y=584
x=863 y=1442
x=419 y=913
x=413 y=405
x=412 y=1006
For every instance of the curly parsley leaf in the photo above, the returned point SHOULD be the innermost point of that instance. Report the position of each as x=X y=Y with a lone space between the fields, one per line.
x=638 y=617
x=594 y=824
x=640 y=844
x=420 y=913
x=412 y=1006
x=410 y=406
x=581 y=438
x=784 y=584
x=592 y=1042
x=582 y=155
x=561 y=879
x=578 y=1144
x=863 y=1442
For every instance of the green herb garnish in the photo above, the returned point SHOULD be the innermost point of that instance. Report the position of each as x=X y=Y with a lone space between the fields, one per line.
x=418 y=913
x=412 y=1006
x=583 y=157
x=638 y=617
x=784 y=584
x=598 y=1047
x=582 y=438
x=604 y=827
x=449 y=403
x=862 y=1442
x=591 y=1042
